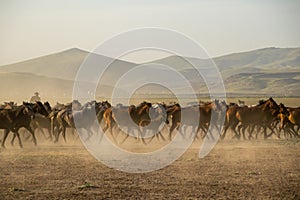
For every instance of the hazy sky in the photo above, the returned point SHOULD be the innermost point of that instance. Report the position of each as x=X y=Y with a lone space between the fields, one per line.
x=32 y=28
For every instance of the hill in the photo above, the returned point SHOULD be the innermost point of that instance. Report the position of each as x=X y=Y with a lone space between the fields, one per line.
x=20 y=87
x=65 y=65
x=269 y=71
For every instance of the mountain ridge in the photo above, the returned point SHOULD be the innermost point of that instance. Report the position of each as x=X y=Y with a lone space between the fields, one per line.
x=262 y=71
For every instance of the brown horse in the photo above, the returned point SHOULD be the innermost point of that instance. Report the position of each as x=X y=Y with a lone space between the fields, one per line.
x=14 y=119
x=127 y=117
x=57 y=114
x=41 y=112
x=187 y=116
x=289 y=118
x=261 y=116
x=75 y=119
x=198 y=117
x=210 y=116
x=231 y=120
x=158 y=114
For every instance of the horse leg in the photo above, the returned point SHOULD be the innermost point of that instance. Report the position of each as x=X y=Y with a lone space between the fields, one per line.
x=295 y=132
x=292 y=131
x=286 y=133
x=116 y=131
x=211 y=134
x=193 y=134
x=112 y=125
x=64 y=134
x=289 y=133
x=27 y=135
x=239 y=131
x=171 y=130
x=243 y=131
x=161 y=135
x=198 y=128
x=251 y=129
x=32 y=133
x=13 y=139
x=224 y=131
x=204 y=129
x=50 y=135
x=257 y=131
x=19 y=138
x=89 y=133
x=6 y=131
x=101 y=135
x=278 y=133
x=265 y=133
x=126 y=136
x=141 y=134
x=105 y=128
x=52 y=126
x=152 y=137
x=181 y=129
x=272 y=130
x=40 y=130
x=57 y=133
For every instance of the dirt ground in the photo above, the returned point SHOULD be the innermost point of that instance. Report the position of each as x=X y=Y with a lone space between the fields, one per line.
x=261 y=169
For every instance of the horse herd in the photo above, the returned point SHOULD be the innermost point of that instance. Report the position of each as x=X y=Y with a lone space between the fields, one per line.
x=149 y=120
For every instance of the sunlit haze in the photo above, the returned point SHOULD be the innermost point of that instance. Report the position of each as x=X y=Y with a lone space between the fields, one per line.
x=33 y=28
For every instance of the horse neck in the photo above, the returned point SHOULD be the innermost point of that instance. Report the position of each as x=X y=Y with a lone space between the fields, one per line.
x=19 y=110
x=107 y=104
x=283 y=109
x=216 y=106
x=142 y=110
x=263 y=106
x=272 y=104
x=172 y=109
x=206 y=107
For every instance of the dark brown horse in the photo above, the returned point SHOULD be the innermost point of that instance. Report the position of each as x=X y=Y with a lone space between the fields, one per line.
x=198 y=117
x=40 y=119
x=127 y=117
x=75 y=119
x=14 y=119
x=158 y=114
x=231 y=120
x=261 y=116
x=289 y=118
x=210 y=116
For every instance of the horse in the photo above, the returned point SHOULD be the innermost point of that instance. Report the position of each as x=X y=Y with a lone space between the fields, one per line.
x=129 y=117
x=14 y=119
x=261 y=115
x=289 y=118
x=69 y=118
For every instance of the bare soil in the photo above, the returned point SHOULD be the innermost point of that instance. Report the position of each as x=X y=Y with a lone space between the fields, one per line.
x=260 y=169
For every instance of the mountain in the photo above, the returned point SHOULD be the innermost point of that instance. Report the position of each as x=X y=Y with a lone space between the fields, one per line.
x=281 y=83
x=261 y=60
x=269 y=71
x=20 y=87
x=53 y=75
x=65 y=65
x=262 y=71
x=62 y=65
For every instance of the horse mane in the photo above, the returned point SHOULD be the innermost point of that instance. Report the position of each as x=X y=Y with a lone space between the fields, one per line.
x=19 y=109
x=141 y=110
x=261 y=102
